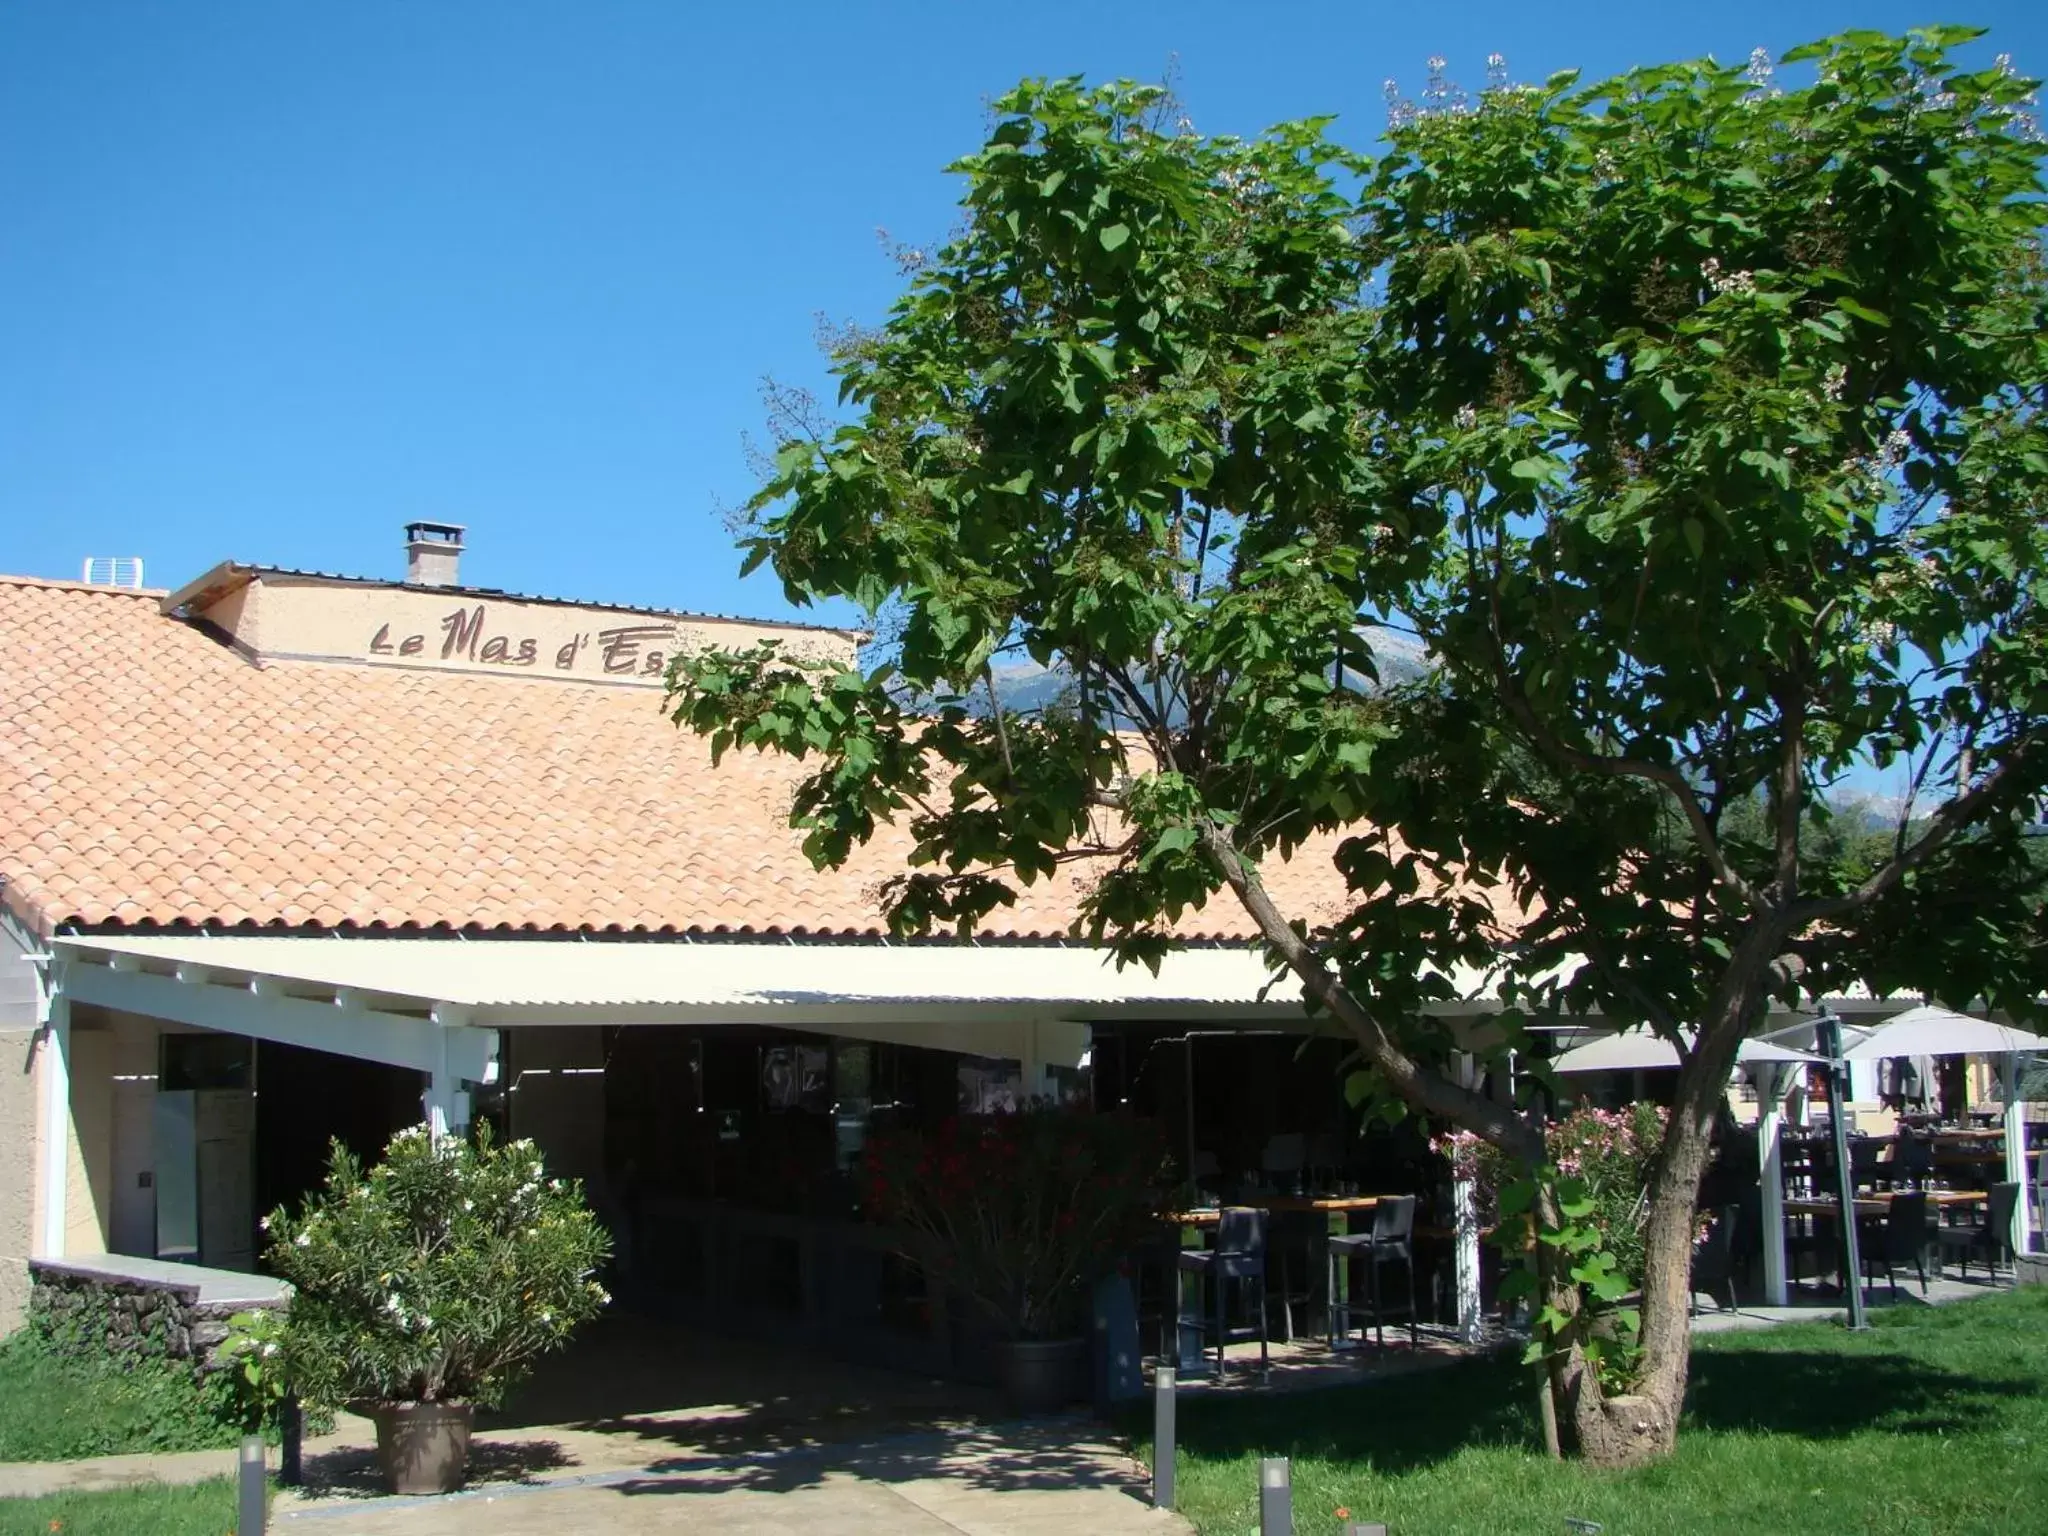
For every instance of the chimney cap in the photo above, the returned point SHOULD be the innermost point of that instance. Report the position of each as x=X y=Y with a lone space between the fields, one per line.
x=434 y=533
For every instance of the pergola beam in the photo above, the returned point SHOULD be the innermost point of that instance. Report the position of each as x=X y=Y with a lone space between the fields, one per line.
x=193 y=997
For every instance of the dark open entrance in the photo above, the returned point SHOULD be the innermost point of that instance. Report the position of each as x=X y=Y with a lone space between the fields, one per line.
x=306 y=1099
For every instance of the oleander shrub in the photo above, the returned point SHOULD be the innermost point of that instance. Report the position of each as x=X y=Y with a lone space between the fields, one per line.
x=439 y=1275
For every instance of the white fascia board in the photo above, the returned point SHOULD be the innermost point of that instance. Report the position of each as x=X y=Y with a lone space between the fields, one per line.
x=366 y=1033
x=852 y=1016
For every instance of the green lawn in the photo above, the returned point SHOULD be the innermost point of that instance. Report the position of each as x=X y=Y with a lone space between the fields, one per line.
x=1934 y=1421
x=202 y=1509
x=55 y=1407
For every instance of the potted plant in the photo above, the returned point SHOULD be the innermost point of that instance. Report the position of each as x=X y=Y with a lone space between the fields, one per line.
x=1020 y=1213
x=431 y=1283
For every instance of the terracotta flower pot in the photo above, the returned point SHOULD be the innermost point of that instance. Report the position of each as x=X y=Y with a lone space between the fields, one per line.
x=423 y=1447
x=1041 y=1375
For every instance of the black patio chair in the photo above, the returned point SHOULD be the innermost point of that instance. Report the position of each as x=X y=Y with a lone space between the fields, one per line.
x=1903 y=1236
x=1293 y=1244
x=1990 y=1240
x=1713 y=1257
x=1391 y=1240
x=1237 y=1262
x=2041 y=1198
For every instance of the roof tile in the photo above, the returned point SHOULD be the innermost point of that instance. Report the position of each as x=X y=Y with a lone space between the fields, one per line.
x=150 y=775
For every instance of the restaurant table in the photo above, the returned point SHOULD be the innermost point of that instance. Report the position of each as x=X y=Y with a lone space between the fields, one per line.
x=1877 y=1205
x=1210 y=1215
x=1314 y=1256
x=1830 y=1211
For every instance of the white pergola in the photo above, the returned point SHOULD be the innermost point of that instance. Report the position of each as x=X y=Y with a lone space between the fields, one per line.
x=439 y=1005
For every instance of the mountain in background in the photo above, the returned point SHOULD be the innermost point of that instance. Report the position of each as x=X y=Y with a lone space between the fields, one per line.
x=1026 y=686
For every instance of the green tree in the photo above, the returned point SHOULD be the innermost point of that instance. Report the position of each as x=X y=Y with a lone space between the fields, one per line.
x=1695 y=427
x=1730 y=400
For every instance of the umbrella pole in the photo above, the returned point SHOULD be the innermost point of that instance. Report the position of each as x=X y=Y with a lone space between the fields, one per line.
x=2015 y=1148
x=1772 y=1080
x=1829 y=1030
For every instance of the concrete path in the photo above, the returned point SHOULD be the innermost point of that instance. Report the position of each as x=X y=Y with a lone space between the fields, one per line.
x=1048 y=1478
x=1053 y=1477
x=101 y=1474
x=1811 y=1304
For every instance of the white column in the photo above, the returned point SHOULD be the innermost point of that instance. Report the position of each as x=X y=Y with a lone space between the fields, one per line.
x=1465 y=1230
x=447 y=1106
x=1046 y=1043
x=1031 y=1065
x=1773 y=1081
x=56 y=1116
x=2015 y=1147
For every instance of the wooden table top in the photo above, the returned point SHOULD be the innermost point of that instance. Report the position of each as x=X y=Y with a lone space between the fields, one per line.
x=1208 y=1216
x=1877 y=1205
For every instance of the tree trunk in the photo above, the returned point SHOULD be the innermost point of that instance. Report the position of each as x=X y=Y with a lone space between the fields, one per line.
x=1625 y=1429
x=1643 y=1425
x=1581 y=1419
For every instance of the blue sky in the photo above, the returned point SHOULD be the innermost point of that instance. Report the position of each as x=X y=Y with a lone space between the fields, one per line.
x=277 y=278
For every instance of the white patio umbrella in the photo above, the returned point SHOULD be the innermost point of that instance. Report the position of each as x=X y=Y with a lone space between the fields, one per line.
x=1643 y=1050
x=1932 y=1031
x=1771 y=1066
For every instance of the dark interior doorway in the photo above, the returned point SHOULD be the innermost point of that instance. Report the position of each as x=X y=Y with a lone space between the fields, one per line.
x=306 y=1099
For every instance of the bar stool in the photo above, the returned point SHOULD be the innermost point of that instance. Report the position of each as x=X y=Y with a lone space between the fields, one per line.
x=1391 y=1241
x=1292 y=1241
x=1239 y=1258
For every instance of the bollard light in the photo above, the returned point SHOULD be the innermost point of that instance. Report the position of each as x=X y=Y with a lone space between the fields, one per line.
x=1276 y=1497
x=291 y=1441
x=1162 y=1437
x=250 y=1505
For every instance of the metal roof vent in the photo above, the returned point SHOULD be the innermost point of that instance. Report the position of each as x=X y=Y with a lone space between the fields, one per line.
x=113 y=571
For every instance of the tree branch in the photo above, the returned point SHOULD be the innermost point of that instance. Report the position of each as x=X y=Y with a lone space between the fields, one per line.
x=1790 y=792
x=995 y=708
x=1426 y=1090
x=1952 y=818
x=1661 y=774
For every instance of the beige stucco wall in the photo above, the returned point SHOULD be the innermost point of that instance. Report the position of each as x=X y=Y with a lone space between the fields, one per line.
x=88 y=1187
x=302 y=618
x=19 y=1077
x=131 y=1216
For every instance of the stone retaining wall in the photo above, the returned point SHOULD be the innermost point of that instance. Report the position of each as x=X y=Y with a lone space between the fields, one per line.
x=129 y=1316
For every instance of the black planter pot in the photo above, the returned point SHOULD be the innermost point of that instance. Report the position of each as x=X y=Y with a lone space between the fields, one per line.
x=1042 y=1375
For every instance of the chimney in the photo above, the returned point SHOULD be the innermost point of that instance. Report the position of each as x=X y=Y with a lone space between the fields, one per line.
x=433 y=551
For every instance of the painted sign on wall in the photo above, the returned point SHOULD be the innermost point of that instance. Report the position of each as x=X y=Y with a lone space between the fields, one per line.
x=466 y=634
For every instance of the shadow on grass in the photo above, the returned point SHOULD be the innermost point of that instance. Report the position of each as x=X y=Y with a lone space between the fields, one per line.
x=1812 y=1388
x=1825 y=1395
x=1397 y=1424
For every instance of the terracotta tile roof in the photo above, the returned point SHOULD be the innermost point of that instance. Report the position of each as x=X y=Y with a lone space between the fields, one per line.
x=150 y=775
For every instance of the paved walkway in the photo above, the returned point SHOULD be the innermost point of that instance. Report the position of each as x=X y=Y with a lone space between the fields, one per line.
x=1053 y=1477
x=1048 y=1478
x=1812 y=1304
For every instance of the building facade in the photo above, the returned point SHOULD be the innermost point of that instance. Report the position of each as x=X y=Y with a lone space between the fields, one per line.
x=288 y=857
